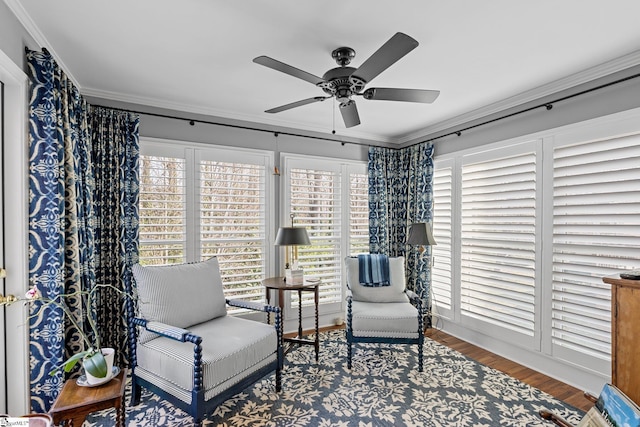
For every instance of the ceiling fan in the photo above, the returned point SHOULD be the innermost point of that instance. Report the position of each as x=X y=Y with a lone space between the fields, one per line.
x=344 y=82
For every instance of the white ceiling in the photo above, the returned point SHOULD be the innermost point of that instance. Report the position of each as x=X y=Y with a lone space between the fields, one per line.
x=196 y=55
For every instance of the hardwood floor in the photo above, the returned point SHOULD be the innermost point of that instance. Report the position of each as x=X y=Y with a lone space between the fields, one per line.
x=555 y=388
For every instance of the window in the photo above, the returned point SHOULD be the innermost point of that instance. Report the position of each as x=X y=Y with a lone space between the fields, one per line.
x=358 y=213
x=330 y=199
x=596 y=223
x=200 y=201
x=441 y=276
x=163 y=232
x=498 y=241
x=232 y=224
x=534 y=226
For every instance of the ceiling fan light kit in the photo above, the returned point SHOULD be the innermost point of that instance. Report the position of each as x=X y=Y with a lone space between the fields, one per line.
x=344 y=82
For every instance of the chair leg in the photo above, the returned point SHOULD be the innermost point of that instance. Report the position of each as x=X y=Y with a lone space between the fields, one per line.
x=420 y=358
x=349 y=355
x=136 y=391
x=278 y=380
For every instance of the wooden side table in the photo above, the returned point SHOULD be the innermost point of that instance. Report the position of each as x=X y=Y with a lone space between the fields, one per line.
x=278 y=284
x=625 y=330
x=76 y=402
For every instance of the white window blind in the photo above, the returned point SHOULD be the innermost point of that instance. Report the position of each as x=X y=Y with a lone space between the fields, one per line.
x=498 y=238
x=358 y=213
x=315 y=197
x=162 y=210
x=596 y=230
x=232 y=224
x=442 y=227
x=199 y=201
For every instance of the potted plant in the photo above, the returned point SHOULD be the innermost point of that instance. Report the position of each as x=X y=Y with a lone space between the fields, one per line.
x=96 y=361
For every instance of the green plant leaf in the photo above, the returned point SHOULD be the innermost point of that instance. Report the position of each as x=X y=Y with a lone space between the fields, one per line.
x=68 y=364
x=96 y=365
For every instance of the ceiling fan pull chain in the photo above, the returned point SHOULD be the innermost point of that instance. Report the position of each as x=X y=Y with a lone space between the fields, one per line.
x=333 y=132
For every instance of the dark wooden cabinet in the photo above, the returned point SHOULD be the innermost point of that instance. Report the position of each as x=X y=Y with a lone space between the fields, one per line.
x=625 y=335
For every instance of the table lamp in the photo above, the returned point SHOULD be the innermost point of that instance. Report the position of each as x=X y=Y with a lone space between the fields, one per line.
x=420 y=234
x=292 y=237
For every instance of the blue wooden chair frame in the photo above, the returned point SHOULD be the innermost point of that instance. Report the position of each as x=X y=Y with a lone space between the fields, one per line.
x=199 y=407
x=351 y=339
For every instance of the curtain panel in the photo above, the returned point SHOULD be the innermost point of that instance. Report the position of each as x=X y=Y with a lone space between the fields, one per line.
x=61 y=217
x=115 y=163
x=401 y=193
x=83 y=219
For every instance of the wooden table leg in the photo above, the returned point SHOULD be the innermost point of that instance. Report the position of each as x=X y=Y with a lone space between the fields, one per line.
x=268 y=297
x=299 y=313
x=316 y=297
x=120 y=415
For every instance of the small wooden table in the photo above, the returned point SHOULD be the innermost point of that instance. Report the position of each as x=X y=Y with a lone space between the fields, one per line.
x=278 y=284
x=76 y=402
x=625 y=330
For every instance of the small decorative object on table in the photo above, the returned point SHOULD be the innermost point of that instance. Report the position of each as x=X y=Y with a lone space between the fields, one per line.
x=294 y=275
x=631 y=275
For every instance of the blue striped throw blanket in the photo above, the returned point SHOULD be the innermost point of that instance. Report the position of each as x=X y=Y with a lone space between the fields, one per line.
x=373 y=270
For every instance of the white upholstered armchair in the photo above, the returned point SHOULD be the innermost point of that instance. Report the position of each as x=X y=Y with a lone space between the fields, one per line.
x=387 y=313
x=186 y=349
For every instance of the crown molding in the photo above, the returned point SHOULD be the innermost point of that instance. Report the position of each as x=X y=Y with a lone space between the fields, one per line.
x=573 y=80
x=33 y=30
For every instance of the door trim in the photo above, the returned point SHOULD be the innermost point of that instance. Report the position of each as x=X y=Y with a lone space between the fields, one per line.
x=16 y=232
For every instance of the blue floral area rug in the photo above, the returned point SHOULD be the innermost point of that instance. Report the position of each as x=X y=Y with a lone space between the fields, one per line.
x=384 y=388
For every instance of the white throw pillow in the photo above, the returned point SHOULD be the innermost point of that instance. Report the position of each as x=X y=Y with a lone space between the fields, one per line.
x=179 y=295
x=392 y=293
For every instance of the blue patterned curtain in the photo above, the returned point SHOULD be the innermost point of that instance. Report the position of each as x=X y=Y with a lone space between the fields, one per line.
x=83 y=218
x=60 y=218
x=401 y=193
x=115 y=164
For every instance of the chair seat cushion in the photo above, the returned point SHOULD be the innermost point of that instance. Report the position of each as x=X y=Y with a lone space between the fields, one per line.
x=384 y=319
x=179 y=295
x=392 y=293
x=230 y=346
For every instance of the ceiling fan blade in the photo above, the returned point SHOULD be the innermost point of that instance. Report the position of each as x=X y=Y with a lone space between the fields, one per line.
x=297 y=104
x=395 y=94
x=349 y=113
x=287 y=69
x=390 y=52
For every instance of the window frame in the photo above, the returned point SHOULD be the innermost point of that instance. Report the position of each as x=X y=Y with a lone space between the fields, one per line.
x=541 y=355
x=193 y=153
x=344 y=168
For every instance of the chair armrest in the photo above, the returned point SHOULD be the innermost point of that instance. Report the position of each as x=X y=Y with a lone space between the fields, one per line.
x=173 y=332
x=557 y=419
x=412 y=295
x=349 y=295
x=252 y=305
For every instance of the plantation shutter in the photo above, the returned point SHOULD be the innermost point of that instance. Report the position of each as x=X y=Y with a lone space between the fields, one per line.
x=163 y=225
x=233 y=225
x=441 y=278
x=498 y=236
x=315 y=201
x=596 y=230
x=358 y=214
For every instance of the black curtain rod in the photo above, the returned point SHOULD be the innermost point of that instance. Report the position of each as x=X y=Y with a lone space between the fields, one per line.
x=193 y=121
x=548 y=105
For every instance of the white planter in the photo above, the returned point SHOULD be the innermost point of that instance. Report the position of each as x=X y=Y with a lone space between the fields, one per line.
x=108 y=354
